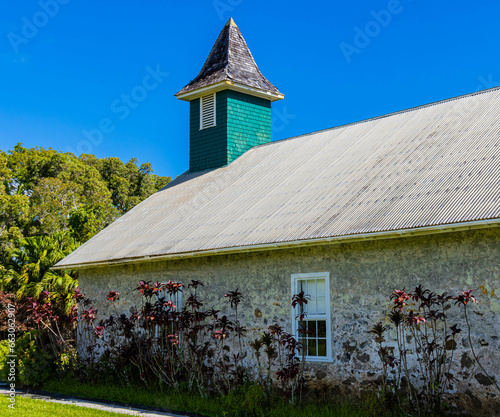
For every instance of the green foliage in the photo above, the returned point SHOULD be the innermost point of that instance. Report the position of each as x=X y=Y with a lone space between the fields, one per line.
x=4 y=351
x=35 y=366
x=51 y=202
x=84 y=222
x=29 y=270
x=128 y=183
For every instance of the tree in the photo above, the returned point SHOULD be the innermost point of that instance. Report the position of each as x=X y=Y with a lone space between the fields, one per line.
x=28 y=272
x=51 y=202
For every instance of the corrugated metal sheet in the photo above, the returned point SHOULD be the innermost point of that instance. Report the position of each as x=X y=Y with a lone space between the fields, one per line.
x=437 y=164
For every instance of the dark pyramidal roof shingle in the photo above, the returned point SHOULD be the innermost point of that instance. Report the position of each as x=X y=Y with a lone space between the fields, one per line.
x=230 y=60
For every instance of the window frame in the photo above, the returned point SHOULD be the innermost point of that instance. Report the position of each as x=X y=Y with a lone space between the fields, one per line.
x=202 y=127
x=310 y=317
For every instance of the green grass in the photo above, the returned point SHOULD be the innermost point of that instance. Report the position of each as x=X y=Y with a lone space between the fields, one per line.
x=250 y=403
x=27 y=407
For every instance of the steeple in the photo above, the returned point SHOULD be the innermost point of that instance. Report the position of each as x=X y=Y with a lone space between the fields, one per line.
x=230 y=104
x=230 y=64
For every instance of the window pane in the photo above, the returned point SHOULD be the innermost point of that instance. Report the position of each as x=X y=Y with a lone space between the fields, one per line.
x=311 y=347
x=311 y=306
x=311 y=287
x=311 y=327
x=301 y=328
x=320 y=305
x=322 y=347
x=320 y=286
x=321 y=328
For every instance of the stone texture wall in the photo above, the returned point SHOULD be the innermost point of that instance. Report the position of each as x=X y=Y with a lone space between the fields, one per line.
x=362 y=276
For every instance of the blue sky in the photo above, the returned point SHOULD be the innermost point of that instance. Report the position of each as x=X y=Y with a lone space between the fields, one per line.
x=66 y=66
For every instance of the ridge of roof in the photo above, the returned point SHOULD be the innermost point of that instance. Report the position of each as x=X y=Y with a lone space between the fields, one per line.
x=230 y=59
x=383 y=116
x=424 y=172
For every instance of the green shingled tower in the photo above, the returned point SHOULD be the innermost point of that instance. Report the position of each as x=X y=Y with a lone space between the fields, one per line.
x=230 y=104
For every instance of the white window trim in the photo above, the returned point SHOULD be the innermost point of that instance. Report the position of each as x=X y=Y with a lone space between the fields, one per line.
x=215 y=112
x=328 y=317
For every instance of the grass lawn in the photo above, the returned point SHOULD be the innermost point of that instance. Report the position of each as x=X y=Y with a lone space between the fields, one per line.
x=250 y=403
x=27 y=407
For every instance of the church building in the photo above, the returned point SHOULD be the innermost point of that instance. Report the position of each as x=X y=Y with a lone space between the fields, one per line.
x=348 y=214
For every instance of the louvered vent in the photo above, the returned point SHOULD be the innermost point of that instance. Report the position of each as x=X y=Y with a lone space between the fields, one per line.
x=207 y=111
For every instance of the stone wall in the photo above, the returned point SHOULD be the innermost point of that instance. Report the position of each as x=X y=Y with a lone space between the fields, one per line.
x=362 y=276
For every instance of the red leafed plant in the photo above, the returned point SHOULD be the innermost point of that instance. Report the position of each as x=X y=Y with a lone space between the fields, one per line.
x=195 y=347
x=421 y=365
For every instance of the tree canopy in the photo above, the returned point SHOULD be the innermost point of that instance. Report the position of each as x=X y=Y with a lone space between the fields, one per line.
x=51 y=202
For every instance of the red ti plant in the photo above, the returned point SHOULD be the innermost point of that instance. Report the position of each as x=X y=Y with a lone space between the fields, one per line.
x=53 y=317
x=423 y=334
x=300 y=300
x=282 y=352
x=113 y=296
x=235 y=298
x=464 y=298
x=89 y=315
x=161 y=344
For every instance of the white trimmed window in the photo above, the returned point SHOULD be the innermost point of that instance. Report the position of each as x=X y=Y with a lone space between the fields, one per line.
x=207 y=111
x=316 y=325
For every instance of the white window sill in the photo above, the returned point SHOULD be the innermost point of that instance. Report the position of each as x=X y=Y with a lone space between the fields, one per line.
x=316 y=359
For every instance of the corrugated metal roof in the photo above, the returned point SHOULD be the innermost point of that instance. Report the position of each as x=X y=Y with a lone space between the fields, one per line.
x=436 y=164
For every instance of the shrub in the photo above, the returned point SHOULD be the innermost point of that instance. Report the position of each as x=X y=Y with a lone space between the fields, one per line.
x=419 y=369
x=35 y=365
x=194 y=349
x=4 y=351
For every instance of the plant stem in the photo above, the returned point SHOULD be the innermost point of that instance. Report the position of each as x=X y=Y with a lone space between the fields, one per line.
x=474 y=353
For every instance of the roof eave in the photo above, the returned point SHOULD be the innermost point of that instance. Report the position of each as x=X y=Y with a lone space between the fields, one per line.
x=390 y=234
x=229 y=85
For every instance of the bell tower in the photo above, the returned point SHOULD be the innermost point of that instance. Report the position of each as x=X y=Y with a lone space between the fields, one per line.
x=230 y=104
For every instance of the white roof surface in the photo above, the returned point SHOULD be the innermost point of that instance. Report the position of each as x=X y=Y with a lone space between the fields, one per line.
x=432 y=165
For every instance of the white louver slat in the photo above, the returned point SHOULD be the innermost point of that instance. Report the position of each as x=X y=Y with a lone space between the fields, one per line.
x=207 y=111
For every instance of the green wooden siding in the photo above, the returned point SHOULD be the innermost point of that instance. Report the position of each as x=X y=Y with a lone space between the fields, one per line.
x=242 y=121
x=208 y=147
